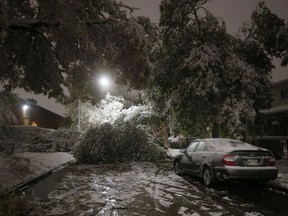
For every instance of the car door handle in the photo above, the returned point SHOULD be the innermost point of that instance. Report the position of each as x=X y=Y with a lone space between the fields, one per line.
x=203 y=156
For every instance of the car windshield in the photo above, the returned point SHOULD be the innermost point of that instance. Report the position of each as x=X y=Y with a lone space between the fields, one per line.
x=217 y=145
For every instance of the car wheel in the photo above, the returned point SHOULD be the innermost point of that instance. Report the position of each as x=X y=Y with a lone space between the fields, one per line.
x=177 y=168
x=207 y=176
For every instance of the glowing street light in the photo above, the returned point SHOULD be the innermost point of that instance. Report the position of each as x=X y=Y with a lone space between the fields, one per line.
x=104 y=81
x=25 y=107
x=26 y=114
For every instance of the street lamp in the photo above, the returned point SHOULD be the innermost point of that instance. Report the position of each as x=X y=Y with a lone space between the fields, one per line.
x=104 y=82
x=26 y=114
x=25 y=107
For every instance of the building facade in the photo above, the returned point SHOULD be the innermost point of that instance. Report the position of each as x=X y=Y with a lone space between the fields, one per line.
x=28 y=112
x=276 y=118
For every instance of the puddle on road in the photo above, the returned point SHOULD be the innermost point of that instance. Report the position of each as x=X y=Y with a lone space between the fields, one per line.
x=44 y=186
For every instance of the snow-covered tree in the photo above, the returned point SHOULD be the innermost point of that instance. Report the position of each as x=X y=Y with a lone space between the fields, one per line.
x=46 y=45
x=112 y=110
x=209 y=79
x=7 y=100
x=106 y=111
x=270 y=31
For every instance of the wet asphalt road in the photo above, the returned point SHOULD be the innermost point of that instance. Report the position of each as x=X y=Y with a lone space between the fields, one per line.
x=148 y=189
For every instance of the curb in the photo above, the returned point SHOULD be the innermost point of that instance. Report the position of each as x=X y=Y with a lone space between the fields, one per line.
x=24 y=185
x=278 y=188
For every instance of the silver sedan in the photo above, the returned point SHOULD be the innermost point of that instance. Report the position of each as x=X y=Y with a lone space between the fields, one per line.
x=221 y=159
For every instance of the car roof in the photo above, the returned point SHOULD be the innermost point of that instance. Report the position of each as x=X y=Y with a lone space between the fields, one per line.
x=217 y=139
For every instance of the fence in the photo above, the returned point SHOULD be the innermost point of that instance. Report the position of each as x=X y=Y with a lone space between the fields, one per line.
x=277 y=145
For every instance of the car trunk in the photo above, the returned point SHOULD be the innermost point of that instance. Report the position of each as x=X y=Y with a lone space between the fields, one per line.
x=251 y=158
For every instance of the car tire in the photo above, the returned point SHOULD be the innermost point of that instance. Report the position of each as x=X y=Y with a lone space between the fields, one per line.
x=177 y=168
x=207 y=176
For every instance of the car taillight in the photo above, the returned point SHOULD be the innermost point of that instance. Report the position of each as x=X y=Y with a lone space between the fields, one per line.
x=272 y=161
x=229 y=160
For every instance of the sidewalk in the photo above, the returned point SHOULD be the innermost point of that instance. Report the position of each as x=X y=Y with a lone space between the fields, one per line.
x=22 y=168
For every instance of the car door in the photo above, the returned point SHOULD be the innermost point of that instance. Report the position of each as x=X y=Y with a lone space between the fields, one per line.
x=199 y=156
x=186 y=161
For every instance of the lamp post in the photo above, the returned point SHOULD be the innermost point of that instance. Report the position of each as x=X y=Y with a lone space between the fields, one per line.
x=104 y=82
x=79 y=114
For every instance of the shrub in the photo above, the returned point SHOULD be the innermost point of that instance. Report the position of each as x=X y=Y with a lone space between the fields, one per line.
x=119 y=143
x=61 y=140
x=19 y=165
x=13 y=205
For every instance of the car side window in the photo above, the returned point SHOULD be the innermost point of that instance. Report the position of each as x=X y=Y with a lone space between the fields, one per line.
x=201 y=147
x=191 y=147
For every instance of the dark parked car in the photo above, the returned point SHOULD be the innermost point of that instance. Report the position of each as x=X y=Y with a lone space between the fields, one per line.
x=221 y=159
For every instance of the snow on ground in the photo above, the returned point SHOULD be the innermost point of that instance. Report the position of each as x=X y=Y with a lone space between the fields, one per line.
x=140 y=188
x=173 y=152
x=23 y=167
x=281 y=181
x=99 y=188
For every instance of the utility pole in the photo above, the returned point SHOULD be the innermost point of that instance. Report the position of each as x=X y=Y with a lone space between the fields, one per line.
x=79 y=115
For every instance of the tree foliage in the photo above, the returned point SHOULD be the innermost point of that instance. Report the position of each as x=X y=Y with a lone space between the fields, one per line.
x=121 y=143
x=46 y=45
x=113 y=110
x=270 y=31
x=207 y=78
x=7 y=101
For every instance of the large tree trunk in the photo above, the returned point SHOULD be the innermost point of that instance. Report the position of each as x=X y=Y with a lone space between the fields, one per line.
x=165 y=134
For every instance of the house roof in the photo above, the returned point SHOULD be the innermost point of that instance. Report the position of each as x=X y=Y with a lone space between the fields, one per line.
x=280 y=82
x=276 y=109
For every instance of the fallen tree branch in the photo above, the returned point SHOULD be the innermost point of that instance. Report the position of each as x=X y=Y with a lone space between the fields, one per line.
x=31 y=23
